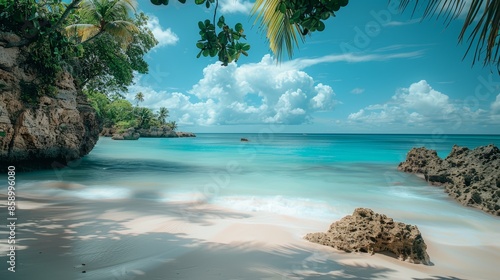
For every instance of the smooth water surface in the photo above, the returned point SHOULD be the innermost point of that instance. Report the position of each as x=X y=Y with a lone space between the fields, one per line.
x=317 y=176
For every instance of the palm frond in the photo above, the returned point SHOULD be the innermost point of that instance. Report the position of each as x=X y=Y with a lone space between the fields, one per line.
x=81 y=32
x=110 y=16
x=280 y=32
x=90 y=11
x=122 y=30
x=483 y=15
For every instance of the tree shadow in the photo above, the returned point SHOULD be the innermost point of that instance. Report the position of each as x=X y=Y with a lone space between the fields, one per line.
x=84 y=239
x=440 y=278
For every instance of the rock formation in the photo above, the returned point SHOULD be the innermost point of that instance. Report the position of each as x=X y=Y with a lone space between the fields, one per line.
x=160 y=132
x=185 y=134
x=369 y=232
x=129 y=134
x=153 y=132
x=470 y=176
x=42 y=133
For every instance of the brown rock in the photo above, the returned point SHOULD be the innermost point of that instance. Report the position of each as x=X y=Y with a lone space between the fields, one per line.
x=369 y=232
x=44 y=133
x=418 y=159
x=158 y=132
x=108 y=131
x=470 y=176
x=185 y=134
x=129 y=134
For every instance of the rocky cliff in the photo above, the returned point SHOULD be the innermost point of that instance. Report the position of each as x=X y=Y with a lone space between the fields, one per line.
x=470 y=176
x=369 y=232
x=44 y=132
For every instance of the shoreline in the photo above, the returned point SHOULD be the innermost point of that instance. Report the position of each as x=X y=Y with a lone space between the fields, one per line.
x=60 y=237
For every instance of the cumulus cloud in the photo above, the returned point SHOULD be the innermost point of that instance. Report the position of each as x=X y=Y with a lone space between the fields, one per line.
x=418 y=105
x=235 y=6
x=495 y=106
x=165 y=37
x=254 y=93
x=495 y=110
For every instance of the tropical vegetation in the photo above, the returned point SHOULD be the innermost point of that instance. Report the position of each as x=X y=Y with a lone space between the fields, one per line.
x=121 y=114
x=101 y=43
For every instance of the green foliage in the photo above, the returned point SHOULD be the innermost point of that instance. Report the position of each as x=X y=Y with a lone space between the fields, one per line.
x=50 y=55
x=139 y=97
x=48 y=50
x=162 y=115
x=106 y=63
x=224 y=44
x=108 y=66
x=121 y=114
x=311 y=14
x=120 y=110
x=29 y=18
x=30 y=92
x=144 y=116
x=99 y=17
x=122 y=126
x=172 y=125
x=99 y=101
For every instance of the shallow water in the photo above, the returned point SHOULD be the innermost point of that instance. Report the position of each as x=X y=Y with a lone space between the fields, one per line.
x=317 y=176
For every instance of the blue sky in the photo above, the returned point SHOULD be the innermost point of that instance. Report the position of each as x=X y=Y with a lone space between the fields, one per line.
x=372 y=70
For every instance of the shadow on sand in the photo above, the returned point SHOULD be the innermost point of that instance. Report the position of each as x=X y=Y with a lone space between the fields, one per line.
x=72 y=240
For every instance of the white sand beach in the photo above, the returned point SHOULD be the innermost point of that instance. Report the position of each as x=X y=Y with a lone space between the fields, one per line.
x=63 y=238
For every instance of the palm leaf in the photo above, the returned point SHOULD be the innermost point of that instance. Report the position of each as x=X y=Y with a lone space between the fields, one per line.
x=90 y=11
x=81 y=32
x=110 y=16
x=122 y=30
x=280 y=32
x=484 y=15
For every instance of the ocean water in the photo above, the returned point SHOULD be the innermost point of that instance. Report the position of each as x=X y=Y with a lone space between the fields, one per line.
x=314 y=176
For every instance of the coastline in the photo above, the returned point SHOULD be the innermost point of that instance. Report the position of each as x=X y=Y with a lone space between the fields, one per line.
x=59 y=238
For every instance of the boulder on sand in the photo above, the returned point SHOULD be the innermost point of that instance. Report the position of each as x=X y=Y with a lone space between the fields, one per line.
x=369 y=232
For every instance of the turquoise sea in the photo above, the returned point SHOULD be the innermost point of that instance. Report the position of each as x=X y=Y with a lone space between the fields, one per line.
x=314 y=176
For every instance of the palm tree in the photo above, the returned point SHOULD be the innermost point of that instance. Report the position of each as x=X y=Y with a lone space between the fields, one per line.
x=144 y=117
x=162 y=115
x=139 y=97
x=172 y=125
x=110 y=16
x=483 y=15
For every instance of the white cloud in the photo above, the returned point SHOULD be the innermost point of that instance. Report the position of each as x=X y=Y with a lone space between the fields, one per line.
x=495 y=110
x=235 y=6
x=357 y=90
x=418 y=105
x=165 y=37
x=495 y=106
x=302 y=63
x=400 y=23
x=254 y=93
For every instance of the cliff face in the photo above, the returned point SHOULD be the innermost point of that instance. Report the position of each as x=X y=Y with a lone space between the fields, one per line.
x=47 y=132
x=470 y=176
